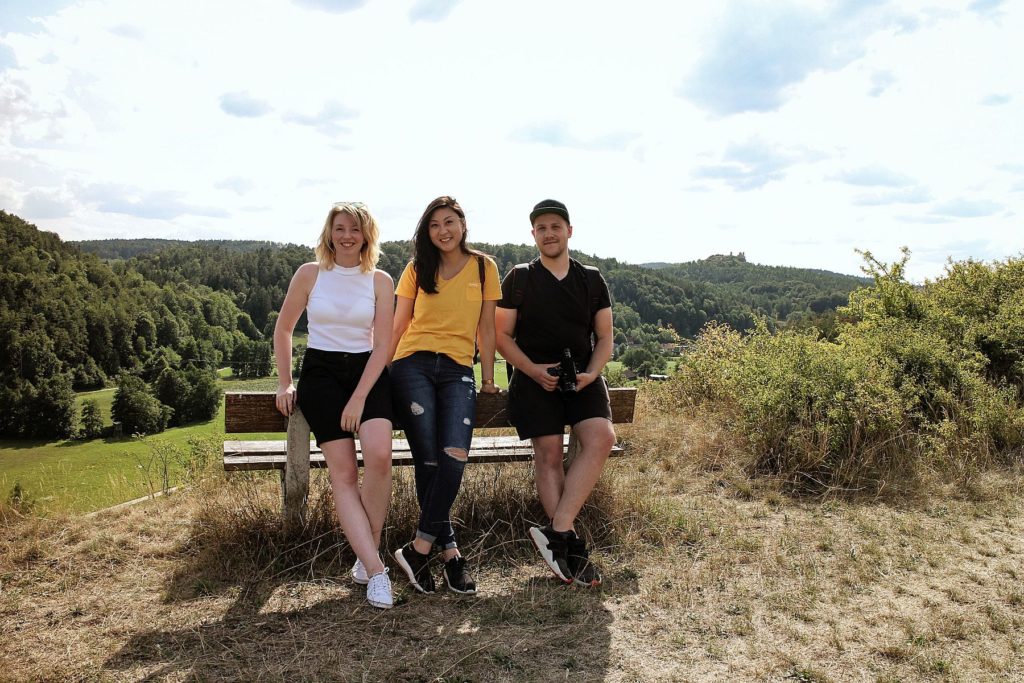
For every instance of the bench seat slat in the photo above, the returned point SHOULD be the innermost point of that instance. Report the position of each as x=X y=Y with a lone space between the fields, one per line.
x=276 y=461
x=397 y=445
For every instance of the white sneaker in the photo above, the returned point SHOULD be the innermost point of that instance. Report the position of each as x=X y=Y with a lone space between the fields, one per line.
x=378 y=590
x=359 y=573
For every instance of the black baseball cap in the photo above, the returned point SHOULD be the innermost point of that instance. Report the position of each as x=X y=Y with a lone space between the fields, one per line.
x=550 y=206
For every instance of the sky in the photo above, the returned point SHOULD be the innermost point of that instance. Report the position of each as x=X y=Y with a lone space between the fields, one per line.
x=795 y=132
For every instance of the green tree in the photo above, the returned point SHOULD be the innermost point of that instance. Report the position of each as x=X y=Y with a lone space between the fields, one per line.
x=91 y=423
x=203 y=397
x=138 y=411
x=252 y=358
x=49 y=411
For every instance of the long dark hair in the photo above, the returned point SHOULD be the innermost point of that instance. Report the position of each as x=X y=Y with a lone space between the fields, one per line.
x=426 y=258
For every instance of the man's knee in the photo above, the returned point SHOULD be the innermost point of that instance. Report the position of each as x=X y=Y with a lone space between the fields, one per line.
x=547 y=452
x=597 y=436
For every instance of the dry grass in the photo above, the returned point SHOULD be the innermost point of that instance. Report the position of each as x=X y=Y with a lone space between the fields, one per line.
x=709 y=576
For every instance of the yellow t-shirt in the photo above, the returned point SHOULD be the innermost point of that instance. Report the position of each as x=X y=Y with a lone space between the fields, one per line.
x=446 y=322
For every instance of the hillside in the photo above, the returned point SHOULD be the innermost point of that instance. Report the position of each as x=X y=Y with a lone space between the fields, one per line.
x=121 y=249
x=71 y=321
x=683 y=296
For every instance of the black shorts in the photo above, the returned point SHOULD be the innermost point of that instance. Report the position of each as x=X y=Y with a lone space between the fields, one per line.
x=325 y=386
x=536 y=412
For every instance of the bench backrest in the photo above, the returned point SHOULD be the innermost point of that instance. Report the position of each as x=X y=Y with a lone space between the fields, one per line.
x=255 y=411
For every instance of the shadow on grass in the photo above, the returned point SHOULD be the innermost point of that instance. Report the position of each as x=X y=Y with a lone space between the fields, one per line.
x=524 y=628
x=25 y=444
x=291 y=618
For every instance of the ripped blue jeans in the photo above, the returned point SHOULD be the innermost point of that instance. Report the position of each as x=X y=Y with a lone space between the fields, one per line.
x=435 y=402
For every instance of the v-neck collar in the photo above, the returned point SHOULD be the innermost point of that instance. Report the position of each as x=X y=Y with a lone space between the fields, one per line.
x=468 y=259
x=554 y=277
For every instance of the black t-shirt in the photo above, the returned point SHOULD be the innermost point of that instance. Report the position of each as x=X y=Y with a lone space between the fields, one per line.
x=554 y=314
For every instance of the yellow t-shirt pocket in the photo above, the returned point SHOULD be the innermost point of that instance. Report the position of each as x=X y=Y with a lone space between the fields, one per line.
x=473 y=292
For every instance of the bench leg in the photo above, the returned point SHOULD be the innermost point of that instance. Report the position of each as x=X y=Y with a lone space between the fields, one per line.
x=295 y=478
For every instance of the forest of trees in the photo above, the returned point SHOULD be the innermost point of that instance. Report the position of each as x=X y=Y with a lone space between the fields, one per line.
x=70 y=321
x=682 y=297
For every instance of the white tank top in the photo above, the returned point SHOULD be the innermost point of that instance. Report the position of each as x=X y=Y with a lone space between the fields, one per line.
x=340 y=310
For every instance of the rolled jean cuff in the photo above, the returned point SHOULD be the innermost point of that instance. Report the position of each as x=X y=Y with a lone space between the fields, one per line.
x=433 y=539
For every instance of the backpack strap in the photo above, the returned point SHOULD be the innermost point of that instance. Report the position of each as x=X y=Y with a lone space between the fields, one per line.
x=593 y=288
x=519 y=274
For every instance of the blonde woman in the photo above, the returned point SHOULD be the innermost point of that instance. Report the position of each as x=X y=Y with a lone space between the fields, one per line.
x=344 y=388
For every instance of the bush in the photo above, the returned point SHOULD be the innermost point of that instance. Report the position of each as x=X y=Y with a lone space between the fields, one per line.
x=252 y=359
x=615 y=377
x=900 y=393
x=192 y=394
x=203 y=397
x=43 y=408
x=50 y=409
x=138 y=411
x=91 y=423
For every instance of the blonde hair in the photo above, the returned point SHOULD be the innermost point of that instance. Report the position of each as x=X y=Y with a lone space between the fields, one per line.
x=369 y=254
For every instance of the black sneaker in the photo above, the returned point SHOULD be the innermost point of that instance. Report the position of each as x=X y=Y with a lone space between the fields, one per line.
x=416 y=567
x=457 y=576
x=584 y=572
x=553 y=548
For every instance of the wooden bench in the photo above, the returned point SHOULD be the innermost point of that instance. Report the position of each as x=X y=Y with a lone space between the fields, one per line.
x=256 y=412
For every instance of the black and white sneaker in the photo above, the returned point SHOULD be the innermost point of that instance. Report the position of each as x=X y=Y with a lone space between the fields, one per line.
x=584 y=572
x=554 y=549
x=457 y=576
x=416 y=567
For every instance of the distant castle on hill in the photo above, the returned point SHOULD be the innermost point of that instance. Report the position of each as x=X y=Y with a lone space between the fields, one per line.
x=741 y=256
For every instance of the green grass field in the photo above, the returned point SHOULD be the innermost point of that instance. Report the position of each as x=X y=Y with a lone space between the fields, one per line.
x=79 y=476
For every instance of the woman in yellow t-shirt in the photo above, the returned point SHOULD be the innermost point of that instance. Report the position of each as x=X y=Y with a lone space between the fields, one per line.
x=446 y=300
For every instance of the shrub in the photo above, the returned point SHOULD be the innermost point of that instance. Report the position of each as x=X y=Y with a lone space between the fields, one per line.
x=252 y=358
x=91 y=423
x=138 y=411
x=900 y=393
x=50 y=409
x=192 y=394
x=203 y=397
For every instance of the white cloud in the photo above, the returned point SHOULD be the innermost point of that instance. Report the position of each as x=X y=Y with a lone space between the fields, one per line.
x=996 y=100
x=905 y=195
x=128 y=31
x=432 y=10
x=328 y=120
x=761 y=50
x=860 y=121
x=335 y=6
x=874 y=176
x=986 y=7
x=236 y=184
x=155 y=204
x=880 y=82
x=752 y=164
x=44 y=205
x=966 y=208
x=557 y=134
x=243 y=105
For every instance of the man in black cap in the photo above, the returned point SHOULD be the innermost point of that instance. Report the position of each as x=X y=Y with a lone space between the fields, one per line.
x=552 y=308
